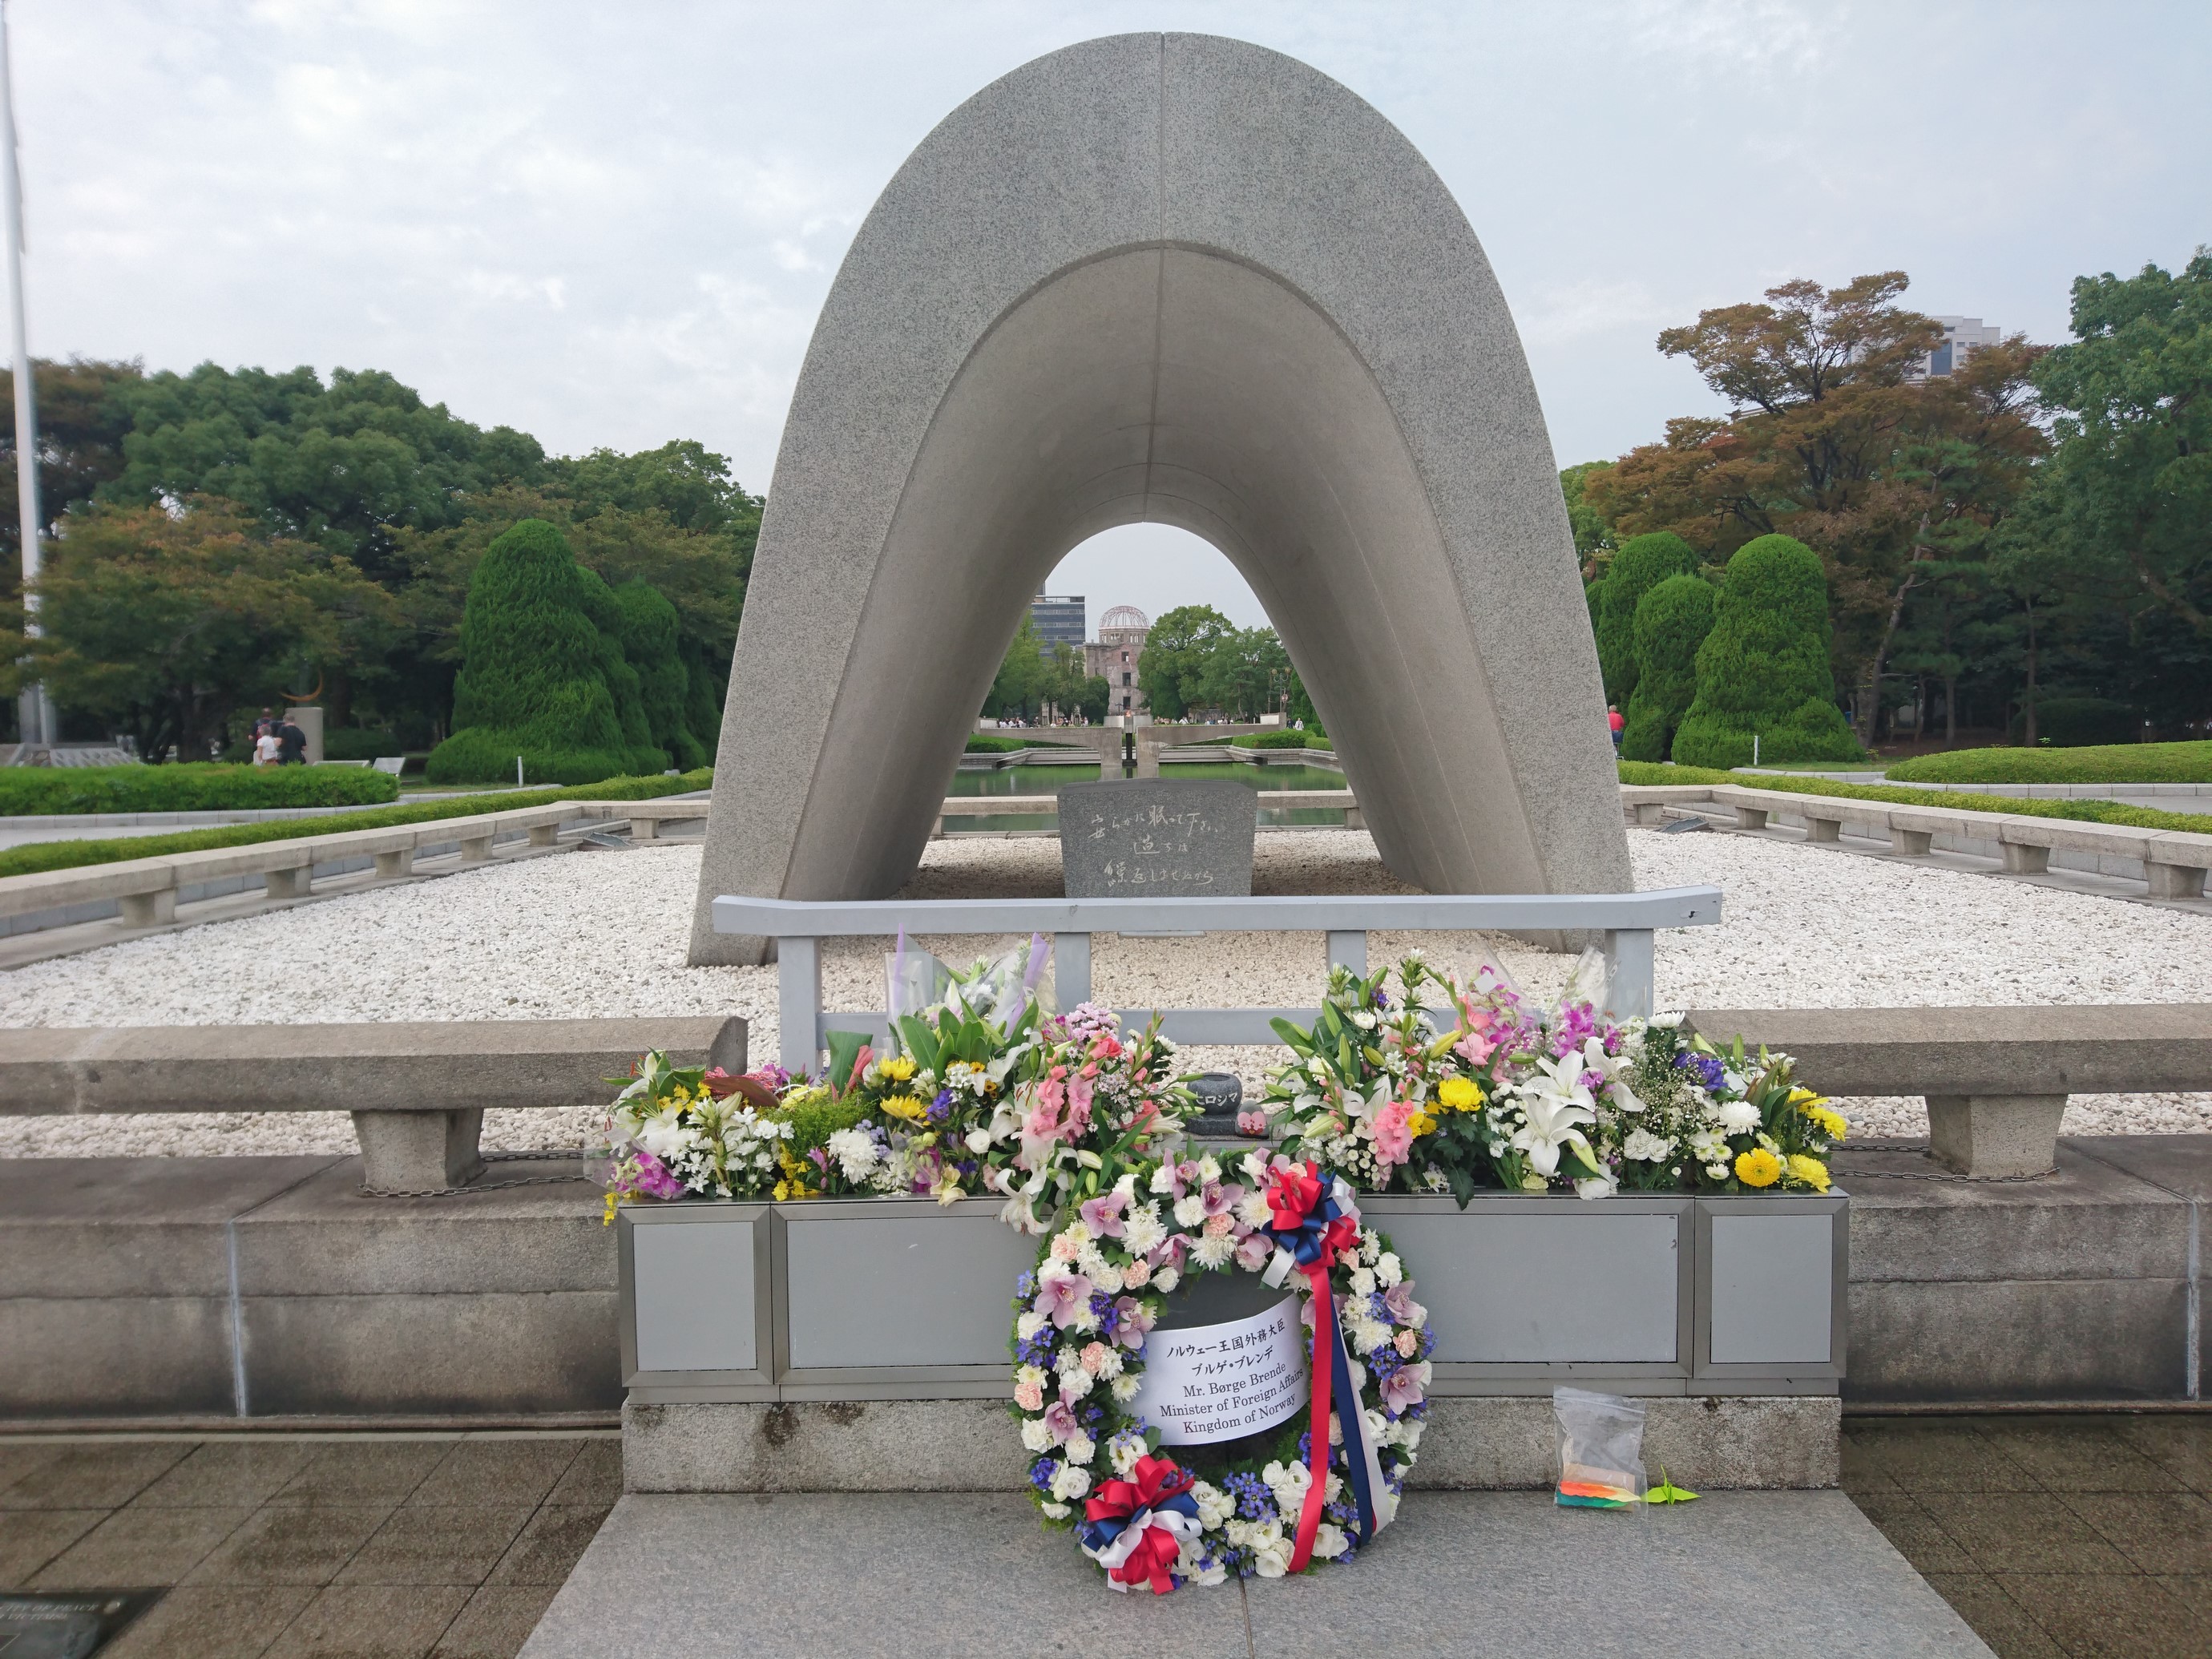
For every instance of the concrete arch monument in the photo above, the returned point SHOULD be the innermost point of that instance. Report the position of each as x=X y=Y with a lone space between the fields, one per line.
x=1180 y=278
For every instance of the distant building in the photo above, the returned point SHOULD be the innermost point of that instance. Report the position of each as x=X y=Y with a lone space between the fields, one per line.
x=1962 y=337
x=1059 y=620
x=1113 y=657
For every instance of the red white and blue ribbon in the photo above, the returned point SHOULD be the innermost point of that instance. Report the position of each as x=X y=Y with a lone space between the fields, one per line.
x=1136 y=1528
x=1313 y=1224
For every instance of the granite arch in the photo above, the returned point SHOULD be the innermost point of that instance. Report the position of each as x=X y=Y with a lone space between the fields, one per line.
x=1180 y=278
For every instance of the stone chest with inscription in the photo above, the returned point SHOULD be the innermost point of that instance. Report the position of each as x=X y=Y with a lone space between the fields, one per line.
x=1149 y=838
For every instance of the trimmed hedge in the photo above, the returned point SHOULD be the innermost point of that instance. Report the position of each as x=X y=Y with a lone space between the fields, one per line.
x=192 y=787
x=1642 y=564
x=2079 y=811
x=75 y=855
x=1763 y=671
x=2119 y=762
x=649 y=633
x=1672 y=621
x=533 y=682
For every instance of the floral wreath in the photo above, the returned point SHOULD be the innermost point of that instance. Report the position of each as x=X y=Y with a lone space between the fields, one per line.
x=1081 y=1331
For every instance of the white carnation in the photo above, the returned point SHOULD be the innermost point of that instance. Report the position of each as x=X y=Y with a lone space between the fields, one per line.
x=1053 y=1511
x=1642 y=1146
x=1081 y=1449
x=1163 y=1178
x=1034 y=1435
x=1029 y=1324
x=1189 y=1211
x=1363 y=1281
x=1166 y=1279
x=1074 y=1385
x=1389 y=1270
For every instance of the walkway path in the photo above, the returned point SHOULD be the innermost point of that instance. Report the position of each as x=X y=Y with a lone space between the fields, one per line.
x=1769 y=1575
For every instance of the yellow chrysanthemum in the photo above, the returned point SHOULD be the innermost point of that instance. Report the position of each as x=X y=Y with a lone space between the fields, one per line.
x=900 y=1068
x=1831 y=1121
x=905 y=1106
x=1459 y=1094
x=1757 y=1168
x=1809 y=1170
x=1421 y=1123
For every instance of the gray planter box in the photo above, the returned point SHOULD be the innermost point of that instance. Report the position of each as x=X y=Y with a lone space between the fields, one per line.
x=900 y=1298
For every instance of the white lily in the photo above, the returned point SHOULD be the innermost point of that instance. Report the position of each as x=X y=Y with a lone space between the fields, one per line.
x=1554 y=1106
x=1610 y=1067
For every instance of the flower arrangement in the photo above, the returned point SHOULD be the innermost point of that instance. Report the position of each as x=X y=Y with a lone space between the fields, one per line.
x=963 y=1106
x=1085 y=1318
x=1446 y=1087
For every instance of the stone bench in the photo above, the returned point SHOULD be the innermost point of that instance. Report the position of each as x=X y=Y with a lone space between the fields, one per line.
x=418 y=1090
x=145 y=889
x=1995 y=1080
x=645 y=816
x=2174 y=862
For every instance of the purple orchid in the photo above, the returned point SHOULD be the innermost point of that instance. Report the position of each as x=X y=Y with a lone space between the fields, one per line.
x=1063 y=1299
x=1103 y=1214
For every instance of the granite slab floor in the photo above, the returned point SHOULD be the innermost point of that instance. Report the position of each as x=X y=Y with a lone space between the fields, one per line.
x=1773 y=1574
x=282 y=1546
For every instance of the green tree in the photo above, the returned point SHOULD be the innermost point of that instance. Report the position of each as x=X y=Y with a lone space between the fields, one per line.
x=1246 y=673
x=165 y=623
x=1640 y=565
x=1672 y=621
x=649 y=642
x=83 y=414
x=1178 y=652
x=532 y=682
x=1019 y=690
x=2130 y=482
x=1594 y=537
x=1763 y=670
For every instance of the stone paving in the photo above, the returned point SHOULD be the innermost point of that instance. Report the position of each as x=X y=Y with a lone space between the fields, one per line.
x=375 y=1547
x=2088 y=1537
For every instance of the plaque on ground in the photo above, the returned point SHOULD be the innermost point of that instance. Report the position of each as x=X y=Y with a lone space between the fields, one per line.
x=1156 y=839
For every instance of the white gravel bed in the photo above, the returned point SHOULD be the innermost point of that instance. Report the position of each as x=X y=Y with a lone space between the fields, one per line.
x=604 y=933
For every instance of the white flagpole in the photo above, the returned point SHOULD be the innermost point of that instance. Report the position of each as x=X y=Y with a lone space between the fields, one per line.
x=37 y=713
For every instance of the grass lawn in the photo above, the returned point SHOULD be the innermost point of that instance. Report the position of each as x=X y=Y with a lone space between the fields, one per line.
x=37 y=855
x=2117 y=763
x=1649 y=772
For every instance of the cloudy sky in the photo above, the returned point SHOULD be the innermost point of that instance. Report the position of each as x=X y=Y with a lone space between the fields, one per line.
x=613 y=223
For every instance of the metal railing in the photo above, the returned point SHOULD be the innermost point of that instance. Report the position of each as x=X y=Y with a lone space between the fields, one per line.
x=1626 y=921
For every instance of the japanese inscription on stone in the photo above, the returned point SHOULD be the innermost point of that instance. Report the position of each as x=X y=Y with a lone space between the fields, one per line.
x=1206 y=1382
x=1144 y=839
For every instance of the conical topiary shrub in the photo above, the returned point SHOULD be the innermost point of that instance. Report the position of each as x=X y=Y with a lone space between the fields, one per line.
x=1764 y=669
x=600 y=605
x=703 y=691
x=649 y=625
x=1672 y=622
x=529 y=683
x=1642 y=564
